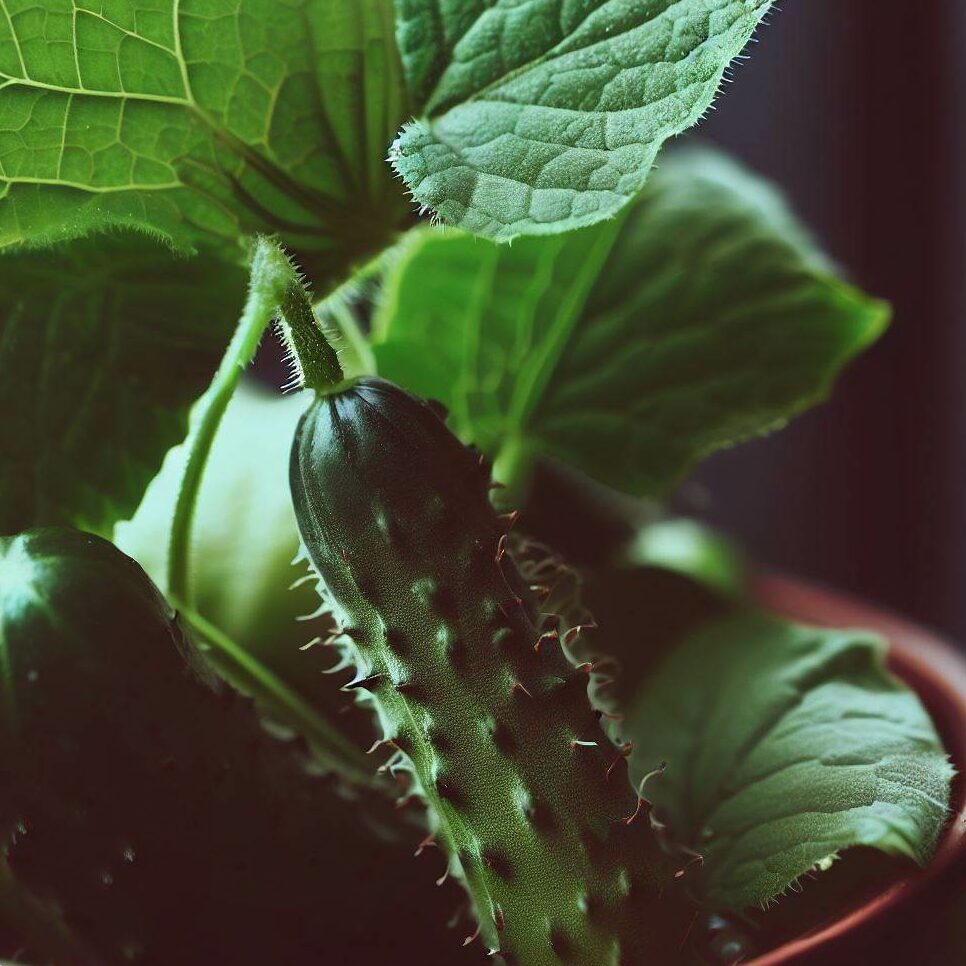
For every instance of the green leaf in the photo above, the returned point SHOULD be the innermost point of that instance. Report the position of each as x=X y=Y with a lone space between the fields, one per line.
x=632 y=349
x=201 y=121
x=540 y=116
x=784 y=745
x=245 y=539
x=689 y=548
x=104 y=345
x=245 y=536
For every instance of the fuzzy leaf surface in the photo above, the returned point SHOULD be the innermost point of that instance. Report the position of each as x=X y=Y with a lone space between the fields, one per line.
x=784 y=745
x=104 y=345
x=541 y=116
x=701 y=316
x=201 y=121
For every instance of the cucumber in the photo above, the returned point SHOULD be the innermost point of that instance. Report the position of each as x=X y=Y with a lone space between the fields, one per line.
x=473 y=689
x=145 y=810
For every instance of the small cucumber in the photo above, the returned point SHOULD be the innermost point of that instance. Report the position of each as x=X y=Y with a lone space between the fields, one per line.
x=472 y=686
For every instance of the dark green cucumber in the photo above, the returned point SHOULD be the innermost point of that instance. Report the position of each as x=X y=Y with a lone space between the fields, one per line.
x=532 y=800
x=144 y=805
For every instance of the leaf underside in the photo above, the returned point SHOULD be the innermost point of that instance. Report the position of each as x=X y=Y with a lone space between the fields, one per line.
x=105 y=343
x=541 y=116
x=701 y=316
x=201 y=122
x=784 y=745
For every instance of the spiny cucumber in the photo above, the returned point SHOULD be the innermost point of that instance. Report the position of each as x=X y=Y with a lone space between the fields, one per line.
x=473 y=687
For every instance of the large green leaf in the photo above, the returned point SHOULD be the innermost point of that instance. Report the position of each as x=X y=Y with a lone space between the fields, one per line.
x=700 y=317
x=540 y=116
x=201 y=121
x=784 y=745
x=104 y=345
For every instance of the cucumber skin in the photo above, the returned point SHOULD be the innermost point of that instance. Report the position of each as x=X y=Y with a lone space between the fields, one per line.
x=395 y=515
x=142 y=797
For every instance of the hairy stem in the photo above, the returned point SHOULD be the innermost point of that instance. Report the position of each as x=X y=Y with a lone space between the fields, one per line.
x=275 y=291
x=256 y=316
x=317 y=364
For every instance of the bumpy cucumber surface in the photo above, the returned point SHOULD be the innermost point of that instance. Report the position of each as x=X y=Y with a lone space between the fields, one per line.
x=471 y=684
x=144 y=803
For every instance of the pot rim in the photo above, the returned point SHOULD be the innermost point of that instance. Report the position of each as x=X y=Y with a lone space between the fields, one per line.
x=937 y=672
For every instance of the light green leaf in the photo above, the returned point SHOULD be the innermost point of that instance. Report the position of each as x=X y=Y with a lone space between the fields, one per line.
x=245 y=536
x=245 y=540
x=201 y=121
x=689 y=548
x=540 y=116
x=700 y=317
x=104 y=345
x=784 y=745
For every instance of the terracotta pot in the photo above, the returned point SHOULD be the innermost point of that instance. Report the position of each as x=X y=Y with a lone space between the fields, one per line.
x=937 y=672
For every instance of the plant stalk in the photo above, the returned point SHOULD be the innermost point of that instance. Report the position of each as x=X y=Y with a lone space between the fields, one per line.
x=275 y=290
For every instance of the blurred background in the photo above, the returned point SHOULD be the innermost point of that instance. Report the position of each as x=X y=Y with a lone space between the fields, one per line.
x=859 y=112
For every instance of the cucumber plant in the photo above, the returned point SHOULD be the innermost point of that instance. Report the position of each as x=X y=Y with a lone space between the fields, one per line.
x=180 y=783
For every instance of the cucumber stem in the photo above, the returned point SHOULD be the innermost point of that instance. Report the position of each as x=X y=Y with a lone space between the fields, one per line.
x=317 y=365
x=275 y=291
